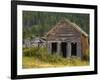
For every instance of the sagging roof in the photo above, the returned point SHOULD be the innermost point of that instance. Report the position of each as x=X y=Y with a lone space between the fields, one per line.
x=68 y=22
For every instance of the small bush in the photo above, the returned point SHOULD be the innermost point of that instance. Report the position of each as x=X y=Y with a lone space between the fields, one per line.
x=86 y=55
x=30 y=51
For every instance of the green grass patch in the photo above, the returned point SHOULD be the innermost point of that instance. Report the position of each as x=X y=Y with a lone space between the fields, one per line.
x=39 y=58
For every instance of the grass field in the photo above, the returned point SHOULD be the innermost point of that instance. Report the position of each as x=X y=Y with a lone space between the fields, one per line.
x=40 y=58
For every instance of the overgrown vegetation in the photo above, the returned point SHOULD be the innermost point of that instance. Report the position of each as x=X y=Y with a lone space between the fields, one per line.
x=87 y=55
x=39 y=57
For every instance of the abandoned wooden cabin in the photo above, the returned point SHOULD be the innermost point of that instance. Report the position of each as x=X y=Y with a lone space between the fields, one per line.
x=67 y=39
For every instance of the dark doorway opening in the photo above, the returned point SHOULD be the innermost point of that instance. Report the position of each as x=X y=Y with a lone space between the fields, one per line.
x=73 y=49
x=54 y=47
x=64 y=49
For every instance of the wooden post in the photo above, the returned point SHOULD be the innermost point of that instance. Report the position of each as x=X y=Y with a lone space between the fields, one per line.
x=58 y=48
x=49 y=46
x=68 y=49
x=79 y=54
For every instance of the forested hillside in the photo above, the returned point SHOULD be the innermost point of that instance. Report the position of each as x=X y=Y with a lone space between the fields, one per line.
x=38 y=23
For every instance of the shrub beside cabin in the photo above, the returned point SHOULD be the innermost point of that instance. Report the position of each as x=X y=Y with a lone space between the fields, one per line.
x=67 y=39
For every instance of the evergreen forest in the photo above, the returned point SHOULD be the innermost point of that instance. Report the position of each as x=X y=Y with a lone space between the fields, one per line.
x=37 y=24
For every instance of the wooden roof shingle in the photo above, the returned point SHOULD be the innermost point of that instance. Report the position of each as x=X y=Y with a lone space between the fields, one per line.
x=67 y=22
